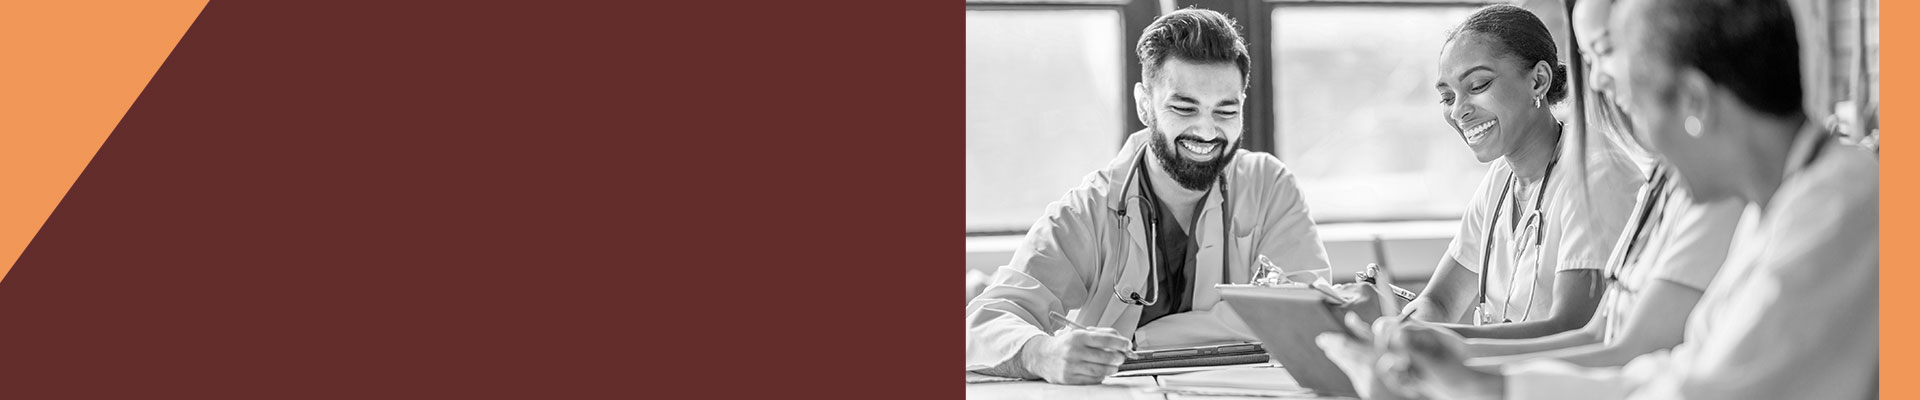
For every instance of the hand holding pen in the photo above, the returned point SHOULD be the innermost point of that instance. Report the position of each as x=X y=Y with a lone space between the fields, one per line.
x=1063 y=320
x=1078 y=355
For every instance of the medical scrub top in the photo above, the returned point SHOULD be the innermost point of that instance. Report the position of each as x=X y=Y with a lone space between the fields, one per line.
x=1588 y=198
x=1670 y=238
x=1177 y=255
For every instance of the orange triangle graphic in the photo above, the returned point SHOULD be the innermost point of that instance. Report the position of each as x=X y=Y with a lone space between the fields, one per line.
x=72 y=71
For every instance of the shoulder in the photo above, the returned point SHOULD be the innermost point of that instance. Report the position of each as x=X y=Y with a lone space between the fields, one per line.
x=1694 y=212
x=1258 y=178
x=1825 y=219
x=1844 y=169
x=1497 y=174
x=1490 y=185
x=1605 y=185
x=1097 y=186
x=1843 y=179
x=1253 y=172
x=1609 y=171
x=1256 y=165
x=1086 y=198
x=1695 y=236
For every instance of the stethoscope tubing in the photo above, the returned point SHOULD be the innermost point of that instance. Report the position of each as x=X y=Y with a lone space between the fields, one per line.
x=1486 y=253
x=1149 y=219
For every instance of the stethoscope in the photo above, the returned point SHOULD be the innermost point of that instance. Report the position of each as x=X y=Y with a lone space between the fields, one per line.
x=1656 y=192
x=1150 y=220
x=1533 y=228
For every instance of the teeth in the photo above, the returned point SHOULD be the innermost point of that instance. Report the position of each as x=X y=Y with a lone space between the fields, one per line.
x=1475 y=133
x=1202 y=148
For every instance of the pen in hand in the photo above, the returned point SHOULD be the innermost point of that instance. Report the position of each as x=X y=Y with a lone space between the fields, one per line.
x=1062 y=319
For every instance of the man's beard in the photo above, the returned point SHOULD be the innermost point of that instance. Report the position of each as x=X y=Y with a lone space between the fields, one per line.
x=1193 y=175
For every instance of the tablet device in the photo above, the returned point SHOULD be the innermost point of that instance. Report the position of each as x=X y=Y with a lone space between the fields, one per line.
x=1287 y=319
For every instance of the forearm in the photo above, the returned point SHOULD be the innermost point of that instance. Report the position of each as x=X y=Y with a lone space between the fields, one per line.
x=1016 y=367
x=1517 y=330
x=1602 y=355
x=1504 y=347
x=1658 y=322
x=1449 y=290
x=1494 y=363
x=1575 y=296
x=1425 y=308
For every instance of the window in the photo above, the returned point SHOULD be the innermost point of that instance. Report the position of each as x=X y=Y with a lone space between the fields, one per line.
x=1358 y=121
x=1044 y=108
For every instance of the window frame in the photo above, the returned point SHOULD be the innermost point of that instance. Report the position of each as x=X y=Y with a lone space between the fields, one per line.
x=1135 y=15
x=1264 y=19
x=1255 y=19
x=1261 y=18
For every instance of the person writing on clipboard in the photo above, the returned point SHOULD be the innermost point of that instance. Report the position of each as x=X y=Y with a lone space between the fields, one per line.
x=1134 y=251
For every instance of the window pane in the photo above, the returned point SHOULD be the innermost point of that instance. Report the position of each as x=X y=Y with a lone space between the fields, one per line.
x=1043 y=108
x=1359 y=122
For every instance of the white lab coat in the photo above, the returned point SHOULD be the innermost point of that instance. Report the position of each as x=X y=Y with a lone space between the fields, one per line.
x=1083 y=251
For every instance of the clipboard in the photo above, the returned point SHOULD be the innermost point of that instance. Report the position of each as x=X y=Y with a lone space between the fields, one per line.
x=1287 y=319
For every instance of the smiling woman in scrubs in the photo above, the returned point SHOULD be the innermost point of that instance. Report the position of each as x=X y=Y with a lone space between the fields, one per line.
x=1538 y=231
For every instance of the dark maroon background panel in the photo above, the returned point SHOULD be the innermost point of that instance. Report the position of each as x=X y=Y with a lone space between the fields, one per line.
x=539 y=200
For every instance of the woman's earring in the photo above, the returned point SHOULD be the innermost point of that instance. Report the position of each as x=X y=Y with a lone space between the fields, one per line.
x=1693 y=126
x=1536 y=101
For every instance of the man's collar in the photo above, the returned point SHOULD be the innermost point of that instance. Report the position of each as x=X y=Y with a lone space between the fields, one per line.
x=1120 y=171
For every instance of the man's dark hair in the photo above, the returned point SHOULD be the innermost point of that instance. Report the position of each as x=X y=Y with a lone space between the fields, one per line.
x=1521 y=35
x=1748 y=46
x=1196 y=35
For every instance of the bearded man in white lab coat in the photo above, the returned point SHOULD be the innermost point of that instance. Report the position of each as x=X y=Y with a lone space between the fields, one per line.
x=1134 y=251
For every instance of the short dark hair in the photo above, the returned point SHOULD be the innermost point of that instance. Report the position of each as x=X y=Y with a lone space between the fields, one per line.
x=1748 y=46
x=1520 y=35
x=1195 y=35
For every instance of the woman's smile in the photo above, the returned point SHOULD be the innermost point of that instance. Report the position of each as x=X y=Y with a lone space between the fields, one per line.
x=1478 y=133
